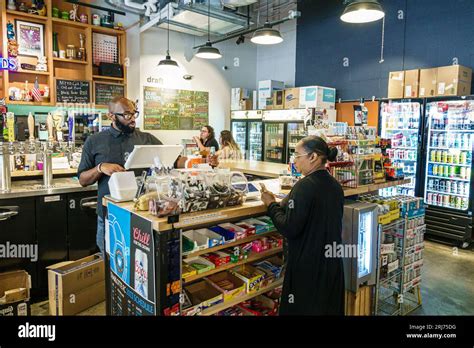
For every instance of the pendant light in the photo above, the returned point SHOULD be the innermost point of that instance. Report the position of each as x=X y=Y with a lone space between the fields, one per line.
x=207 y=51
x=168 y=62
x=267 y=35
x=362 y=11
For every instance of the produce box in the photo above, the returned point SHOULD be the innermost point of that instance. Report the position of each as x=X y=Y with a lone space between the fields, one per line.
x=228 y=284
x=260 y=226
x=200 y=264
x=250 y=275
x=229 y=236
x=218 y=258
x=203 y=294
x=249 y=229
x=15 y=293
x=260 y=306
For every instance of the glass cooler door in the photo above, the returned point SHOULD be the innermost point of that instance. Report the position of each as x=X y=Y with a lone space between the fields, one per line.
x=400 y=122
x=239 y=132
x=449 y=154
x=274 y=148
x=296 y=132
x=365 y=243
x=255 y=141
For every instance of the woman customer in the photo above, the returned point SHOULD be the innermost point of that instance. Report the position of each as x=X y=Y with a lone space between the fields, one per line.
x=310 y=217
x=207 y=139
x=229 y=148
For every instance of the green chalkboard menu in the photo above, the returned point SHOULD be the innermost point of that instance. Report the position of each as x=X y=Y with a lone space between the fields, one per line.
x=73 y=91
x=105 y=92
x=175 y=109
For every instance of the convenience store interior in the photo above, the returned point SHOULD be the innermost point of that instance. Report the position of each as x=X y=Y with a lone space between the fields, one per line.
x=361 y=63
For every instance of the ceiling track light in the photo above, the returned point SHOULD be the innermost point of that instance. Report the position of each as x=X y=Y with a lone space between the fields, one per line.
x=362 y=11
x=207 y=51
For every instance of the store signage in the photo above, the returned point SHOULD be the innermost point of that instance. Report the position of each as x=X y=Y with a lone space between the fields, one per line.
x=7 y=64
x=132 y=263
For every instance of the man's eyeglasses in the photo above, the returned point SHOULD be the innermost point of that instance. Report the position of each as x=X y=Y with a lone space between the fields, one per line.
x=128 y=115
x=303 y=154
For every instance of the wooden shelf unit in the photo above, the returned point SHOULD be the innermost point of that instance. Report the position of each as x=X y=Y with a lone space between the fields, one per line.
x=58 y=68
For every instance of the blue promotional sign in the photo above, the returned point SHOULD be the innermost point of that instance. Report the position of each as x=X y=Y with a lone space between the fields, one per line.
x=7 y=64
x=132 y=263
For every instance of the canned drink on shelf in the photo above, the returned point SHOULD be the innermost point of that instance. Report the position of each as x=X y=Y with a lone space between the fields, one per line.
x=439 y=156
x=446 y=171
x=442 y=185
x=429 y=198
x=440 y=200
x=435 y=170
x=455 y=158
x=464 y=157
x=448 y=186
x=460 y=188
x=445 y=156
x=436 y=184
x=465 y=203
x=468 y=173
x=463 y=173
x=452 y=171
x=454 y=186
x=430 y=184
x=458 y=202
x=433 y=156
x=450 y=157
x=446 y=200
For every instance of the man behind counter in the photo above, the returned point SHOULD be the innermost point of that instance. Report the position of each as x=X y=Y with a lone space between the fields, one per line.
x=106 y=152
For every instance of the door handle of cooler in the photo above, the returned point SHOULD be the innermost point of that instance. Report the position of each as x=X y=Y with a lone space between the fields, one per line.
x=8 y=212
x=89 y=203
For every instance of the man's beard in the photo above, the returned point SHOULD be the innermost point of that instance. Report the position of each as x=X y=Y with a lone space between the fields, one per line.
x=124 y=128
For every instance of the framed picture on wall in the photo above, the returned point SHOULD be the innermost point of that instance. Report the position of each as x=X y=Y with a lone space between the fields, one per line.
x=105 y=49
x=30 y=37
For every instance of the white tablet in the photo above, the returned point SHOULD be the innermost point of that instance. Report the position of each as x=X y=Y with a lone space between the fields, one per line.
x=143 y=156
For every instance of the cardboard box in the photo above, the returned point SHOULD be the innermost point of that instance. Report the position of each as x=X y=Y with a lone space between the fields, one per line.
x=318 y=97
x=428 y=82
x=203 y=294
x=76 y=285
x=454 y=80
x=200 y=264
x=239 y=95
x=252 y=277
x=412 y=83
x=278 y=100
x=15 y=293
x=255 y=100
x=292 y=98
x=238 y=285
x=395 y=84
x=267 y=87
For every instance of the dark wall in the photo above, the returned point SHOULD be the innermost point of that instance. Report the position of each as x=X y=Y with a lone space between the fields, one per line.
x=432 y=33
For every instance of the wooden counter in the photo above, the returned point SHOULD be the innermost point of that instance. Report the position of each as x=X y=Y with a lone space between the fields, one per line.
x=266 y=169
x=248 y=209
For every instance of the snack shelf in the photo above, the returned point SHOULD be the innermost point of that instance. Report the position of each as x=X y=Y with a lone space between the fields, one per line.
x=220 y=307
x=252 y=257
x=229 y=245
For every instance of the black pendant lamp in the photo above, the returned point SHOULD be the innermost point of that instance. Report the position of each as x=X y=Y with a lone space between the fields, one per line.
x=168 y=62
x=267 y=35
x=362 y=11
x=208 y=51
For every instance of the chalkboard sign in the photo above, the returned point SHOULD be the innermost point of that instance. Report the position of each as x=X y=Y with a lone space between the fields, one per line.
x=73 y=91
x=105 y=92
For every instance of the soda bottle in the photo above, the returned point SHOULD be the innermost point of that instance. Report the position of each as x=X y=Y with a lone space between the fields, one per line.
x=446 y=171
x=464 y=203
x=458 y=202
x=433 y=156
x=435 y=170
x=460 y=188
x=468 y=173
x=448 y=186
x=452 y=171
x=455 y=158
x=430 y=169
x=463 y=157
x=463 y=173
x=445 y=156
x=434 y=200
x=439 y=156
x=454 y=187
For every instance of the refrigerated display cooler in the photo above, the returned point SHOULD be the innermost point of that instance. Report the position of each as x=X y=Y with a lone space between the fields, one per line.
x=360 y=232
x=447 y=169
x=401 y=121
x=247 y=131
x=282 y=131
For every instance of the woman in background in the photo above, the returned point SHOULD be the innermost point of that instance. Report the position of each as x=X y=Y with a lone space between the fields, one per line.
x=207 y=139
x=229 y=148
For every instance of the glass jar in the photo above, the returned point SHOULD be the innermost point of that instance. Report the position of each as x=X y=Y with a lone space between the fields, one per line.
x=71 y=52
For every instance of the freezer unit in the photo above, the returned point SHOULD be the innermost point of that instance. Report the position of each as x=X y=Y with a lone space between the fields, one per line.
x=359 y=238
x=239 y=132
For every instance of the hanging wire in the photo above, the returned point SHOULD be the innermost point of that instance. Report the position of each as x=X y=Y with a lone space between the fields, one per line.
x=208 y=20
x=383 y=41
x=168 y=50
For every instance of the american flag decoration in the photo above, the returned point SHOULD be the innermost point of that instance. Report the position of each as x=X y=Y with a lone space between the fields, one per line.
x=36 y=91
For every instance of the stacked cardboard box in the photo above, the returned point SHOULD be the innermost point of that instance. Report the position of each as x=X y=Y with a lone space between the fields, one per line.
x=76 y=285
x=241 y=99
x=453 y=80
x=266 y=89
x=15 y=293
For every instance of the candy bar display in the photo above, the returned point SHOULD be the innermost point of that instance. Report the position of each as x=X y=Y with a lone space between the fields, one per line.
x=260 y=306
x=228 y=284
x=252 y=277
x=200 y=264
x=200 y=296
